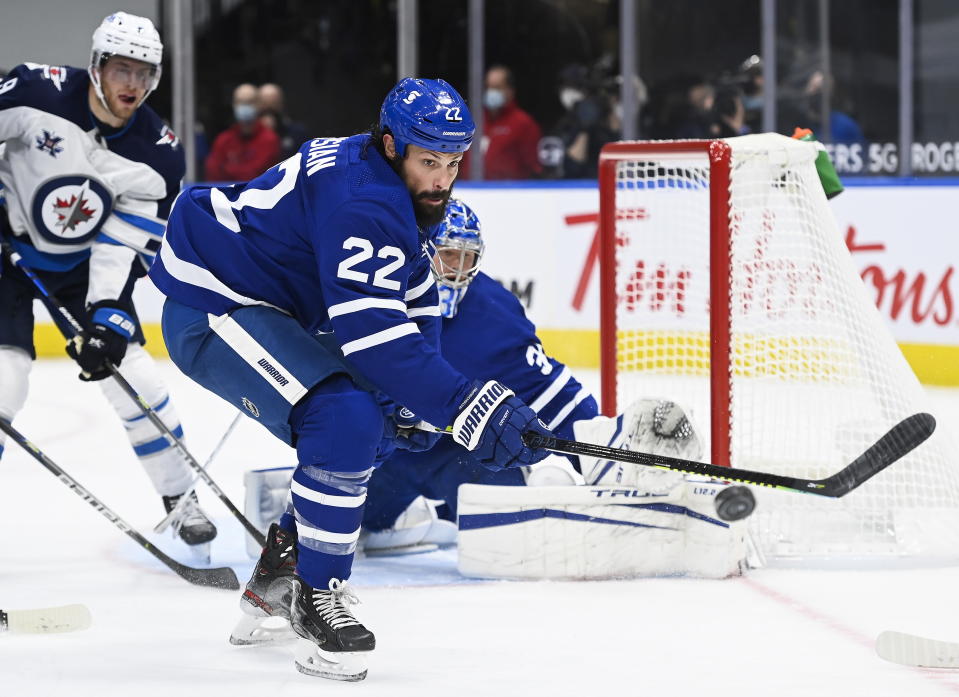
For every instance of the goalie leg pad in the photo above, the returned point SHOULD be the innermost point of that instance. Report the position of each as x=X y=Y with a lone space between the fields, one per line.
x=586 y=532
x=267 y=497
x=417 y=529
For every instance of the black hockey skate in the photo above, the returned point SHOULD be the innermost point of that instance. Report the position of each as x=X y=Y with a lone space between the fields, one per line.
x=334 y=644
x=192 y=525
x=268 y=594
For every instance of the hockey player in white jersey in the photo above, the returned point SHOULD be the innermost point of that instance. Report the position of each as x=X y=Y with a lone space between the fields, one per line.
x=89 y=173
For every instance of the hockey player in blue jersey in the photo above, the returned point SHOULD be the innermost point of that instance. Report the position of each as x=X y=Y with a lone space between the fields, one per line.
x=88 y=174
x=305 y=298
x=472 y=305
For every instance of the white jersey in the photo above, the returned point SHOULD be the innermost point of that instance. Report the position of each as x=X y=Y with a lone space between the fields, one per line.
x=70 y=181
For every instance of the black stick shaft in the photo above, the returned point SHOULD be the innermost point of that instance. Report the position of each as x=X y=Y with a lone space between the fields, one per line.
x=901 y=439
x=51 y=301
x=222 y=577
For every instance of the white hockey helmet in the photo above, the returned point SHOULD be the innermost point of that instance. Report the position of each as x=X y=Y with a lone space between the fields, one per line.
x=122 y=34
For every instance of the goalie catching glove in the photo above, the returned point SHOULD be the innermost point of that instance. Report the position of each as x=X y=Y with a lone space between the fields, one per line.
x=111 y=329
x=491 y=423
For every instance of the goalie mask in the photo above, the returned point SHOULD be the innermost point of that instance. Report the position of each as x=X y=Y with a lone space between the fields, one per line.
x=129 y=36
x=457 y=251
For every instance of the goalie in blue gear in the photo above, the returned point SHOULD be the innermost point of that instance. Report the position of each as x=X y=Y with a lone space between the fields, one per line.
x=305 y=298
x=485 y=332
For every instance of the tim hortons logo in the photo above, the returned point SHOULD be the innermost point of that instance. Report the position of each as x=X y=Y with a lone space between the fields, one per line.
x=928 y=299
x=770 y=285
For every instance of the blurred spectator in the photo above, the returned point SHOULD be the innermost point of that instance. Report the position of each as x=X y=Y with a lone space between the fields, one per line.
x=679 y=108
x=591 y=120
x=292 y=134
x=801 y=104
x=729 y=114
x=510 y=134
x=246 y=148
x=750 y=79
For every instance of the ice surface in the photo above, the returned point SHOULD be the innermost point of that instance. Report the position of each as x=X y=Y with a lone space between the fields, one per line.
x=779 y=632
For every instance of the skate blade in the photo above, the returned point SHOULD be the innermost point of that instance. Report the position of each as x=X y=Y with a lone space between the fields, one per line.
x=261 y=631
x=313 y=661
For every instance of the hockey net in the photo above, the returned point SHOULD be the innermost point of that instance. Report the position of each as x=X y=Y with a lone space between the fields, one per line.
x=781 y=356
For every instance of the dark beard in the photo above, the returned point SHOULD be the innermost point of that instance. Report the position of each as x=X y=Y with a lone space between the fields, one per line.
x=427 y=215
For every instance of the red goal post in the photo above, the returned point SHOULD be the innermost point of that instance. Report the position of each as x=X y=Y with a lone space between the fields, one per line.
x=718 y=153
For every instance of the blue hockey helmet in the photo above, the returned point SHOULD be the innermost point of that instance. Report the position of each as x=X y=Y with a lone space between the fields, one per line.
x=458 y=249
x=427 y=113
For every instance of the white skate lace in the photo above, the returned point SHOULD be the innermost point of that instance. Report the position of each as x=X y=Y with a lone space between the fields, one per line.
x=190 y=515
x=334 y=605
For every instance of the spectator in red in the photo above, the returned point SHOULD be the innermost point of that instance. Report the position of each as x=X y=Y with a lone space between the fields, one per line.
x=511 y=135
x=248 y=147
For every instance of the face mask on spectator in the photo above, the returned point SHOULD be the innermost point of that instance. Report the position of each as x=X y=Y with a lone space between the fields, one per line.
x=244 y=113
x=494 y=98
x=568 y=96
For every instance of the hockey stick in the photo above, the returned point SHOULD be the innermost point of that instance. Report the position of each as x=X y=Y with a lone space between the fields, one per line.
x=917 y=651
x=56 y=306
x=47 y=620
x=182 y=503
x=222 y=577
x=901 y=439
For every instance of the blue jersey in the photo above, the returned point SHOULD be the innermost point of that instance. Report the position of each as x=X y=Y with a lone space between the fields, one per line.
x=490 y=338
x=70 y=181
x=328 y=236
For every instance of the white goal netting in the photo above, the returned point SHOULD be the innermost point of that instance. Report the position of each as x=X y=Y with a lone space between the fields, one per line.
x=814 y=376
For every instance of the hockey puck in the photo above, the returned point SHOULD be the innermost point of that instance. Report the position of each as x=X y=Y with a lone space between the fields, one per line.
x=735 y=503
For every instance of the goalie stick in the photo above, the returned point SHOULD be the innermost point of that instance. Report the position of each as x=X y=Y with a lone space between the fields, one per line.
x=917 y=651
x=47 y=620
x=55 y=306
x=901 y=439
x=222 y=577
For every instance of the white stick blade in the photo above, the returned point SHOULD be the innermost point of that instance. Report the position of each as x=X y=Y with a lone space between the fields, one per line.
x=49 y=620
x=910 y=650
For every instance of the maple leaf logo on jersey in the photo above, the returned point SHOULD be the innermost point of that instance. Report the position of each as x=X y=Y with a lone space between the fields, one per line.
x=168 y=137
x=73 y=212
x=49 y=142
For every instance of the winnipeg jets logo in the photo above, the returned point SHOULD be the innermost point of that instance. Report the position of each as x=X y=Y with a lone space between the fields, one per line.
x=73 y=212
x=168 y=137
x=70 y=210
x=49 y=143
x=54 y=73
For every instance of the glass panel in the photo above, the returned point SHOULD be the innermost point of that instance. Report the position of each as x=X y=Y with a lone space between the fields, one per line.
x=694 y=60
x=845 y=88
x=551 y=45
x=936 y=99
x=334 y=60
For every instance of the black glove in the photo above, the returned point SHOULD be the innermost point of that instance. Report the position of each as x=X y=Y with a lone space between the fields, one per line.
x=491 y=423
x=112 y=328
